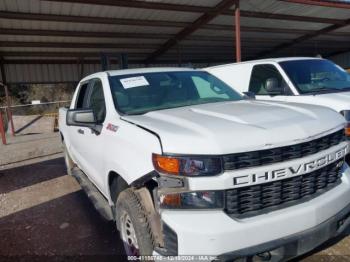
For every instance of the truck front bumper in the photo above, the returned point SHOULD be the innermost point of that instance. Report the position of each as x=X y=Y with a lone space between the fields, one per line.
x=297 y=244
x=287 y=232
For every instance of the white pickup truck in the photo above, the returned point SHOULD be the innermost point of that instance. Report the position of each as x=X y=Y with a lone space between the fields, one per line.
x=308 y=80
x=186 y=166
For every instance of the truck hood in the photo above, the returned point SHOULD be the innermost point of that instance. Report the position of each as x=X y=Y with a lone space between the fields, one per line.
x=336 y=101
x=232 y=127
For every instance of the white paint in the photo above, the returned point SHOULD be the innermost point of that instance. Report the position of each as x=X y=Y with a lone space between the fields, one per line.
x=215 y=233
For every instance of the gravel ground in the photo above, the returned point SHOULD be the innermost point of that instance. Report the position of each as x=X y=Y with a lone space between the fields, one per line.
x=44 y=216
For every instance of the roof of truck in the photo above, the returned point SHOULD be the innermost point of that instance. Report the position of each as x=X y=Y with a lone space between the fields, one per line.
x=147 y=70
x=276 y=60
x=138 y=71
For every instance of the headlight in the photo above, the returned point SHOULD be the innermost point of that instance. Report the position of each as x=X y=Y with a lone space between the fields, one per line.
x=187 y=165
x=192 y=200
x=346 y=114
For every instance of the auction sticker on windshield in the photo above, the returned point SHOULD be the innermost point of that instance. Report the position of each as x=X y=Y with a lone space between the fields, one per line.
x=134 y=82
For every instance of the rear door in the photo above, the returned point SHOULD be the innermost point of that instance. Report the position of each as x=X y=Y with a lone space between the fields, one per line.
x=259 y=78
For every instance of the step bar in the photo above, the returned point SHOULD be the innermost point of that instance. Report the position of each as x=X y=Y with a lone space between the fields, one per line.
x=98 y=200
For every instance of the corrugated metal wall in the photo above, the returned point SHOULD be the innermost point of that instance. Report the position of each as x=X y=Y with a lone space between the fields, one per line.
x=58 y=73
x=343 y=60
x=62 y=73
x=37 y=73
x=48 y=73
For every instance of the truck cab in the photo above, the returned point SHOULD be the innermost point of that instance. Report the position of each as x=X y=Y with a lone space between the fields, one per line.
x=314 y=81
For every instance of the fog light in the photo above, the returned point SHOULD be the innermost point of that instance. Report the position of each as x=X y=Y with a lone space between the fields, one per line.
x=192 y=200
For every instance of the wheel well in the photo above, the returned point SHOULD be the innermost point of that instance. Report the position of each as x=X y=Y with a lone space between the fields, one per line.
x=150 y=185
x=117 y=184
x=144 y=193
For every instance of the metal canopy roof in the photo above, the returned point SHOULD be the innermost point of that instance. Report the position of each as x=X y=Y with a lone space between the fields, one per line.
x=71 y=32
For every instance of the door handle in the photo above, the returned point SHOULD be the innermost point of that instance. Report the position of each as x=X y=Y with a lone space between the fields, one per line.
x=81 y=131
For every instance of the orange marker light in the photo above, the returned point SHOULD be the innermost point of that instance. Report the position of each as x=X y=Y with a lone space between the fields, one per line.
x=166 y=164
x=347 y=130
x=171 y=200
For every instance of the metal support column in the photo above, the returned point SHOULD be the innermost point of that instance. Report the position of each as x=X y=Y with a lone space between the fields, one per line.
x=80 y=65
x=179 y=55
x=104 y=62
x=238 y=32
x=8 y=109
x=8 y=101
x=123 y=61
x=2 y=130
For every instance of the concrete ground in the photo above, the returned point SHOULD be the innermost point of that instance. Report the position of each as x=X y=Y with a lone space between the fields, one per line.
x=27 y=147
x=34 y=138
x=44 y=216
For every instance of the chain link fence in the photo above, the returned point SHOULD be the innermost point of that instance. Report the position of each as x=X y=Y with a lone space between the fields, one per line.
x=33 y=118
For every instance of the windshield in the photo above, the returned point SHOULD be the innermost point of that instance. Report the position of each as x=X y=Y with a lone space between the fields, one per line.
x=142 y=93
x=316 y=76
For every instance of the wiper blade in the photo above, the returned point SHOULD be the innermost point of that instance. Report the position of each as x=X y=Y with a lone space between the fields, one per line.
x=324 y=90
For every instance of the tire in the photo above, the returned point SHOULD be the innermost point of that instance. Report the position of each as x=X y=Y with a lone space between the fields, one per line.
x=68 y=160
x=133 y=225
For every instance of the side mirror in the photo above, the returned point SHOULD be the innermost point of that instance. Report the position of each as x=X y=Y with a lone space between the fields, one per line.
x=80 y=117
x=272 y=87
x=83 y=118
x=249 y=95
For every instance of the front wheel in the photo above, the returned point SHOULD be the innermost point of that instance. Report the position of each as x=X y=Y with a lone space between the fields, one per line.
x=133 y=225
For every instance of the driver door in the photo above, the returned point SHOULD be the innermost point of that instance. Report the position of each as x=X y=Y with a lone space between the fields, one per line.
x=92 y=144
x=76 y=133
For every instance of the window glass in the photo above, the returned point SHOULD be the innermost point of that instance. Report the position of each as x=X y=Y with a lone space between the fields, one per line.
x=261 y=74
x=142 y=93
x=316 y=75
x=82 y=96
x=206 y=88
x=97 y=101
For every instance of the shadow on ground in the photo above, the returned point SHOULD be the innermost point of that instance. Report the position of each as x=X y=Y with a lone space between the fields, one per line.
x=19 y=177
x=67 y=228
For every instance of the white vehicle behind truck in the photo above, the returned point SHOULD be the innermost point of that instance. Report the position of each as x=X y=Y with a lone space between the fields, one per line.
x=186 y=166
x=308 y=80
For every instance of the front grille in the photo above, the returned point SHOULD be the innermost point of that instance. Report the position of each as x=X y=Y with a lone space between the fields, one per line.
x=280 y=154
x=254 y=200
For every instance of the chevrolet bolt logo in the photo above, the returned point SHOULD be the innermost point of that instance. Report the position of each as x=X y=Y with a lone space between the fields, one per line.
x=291 y=171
